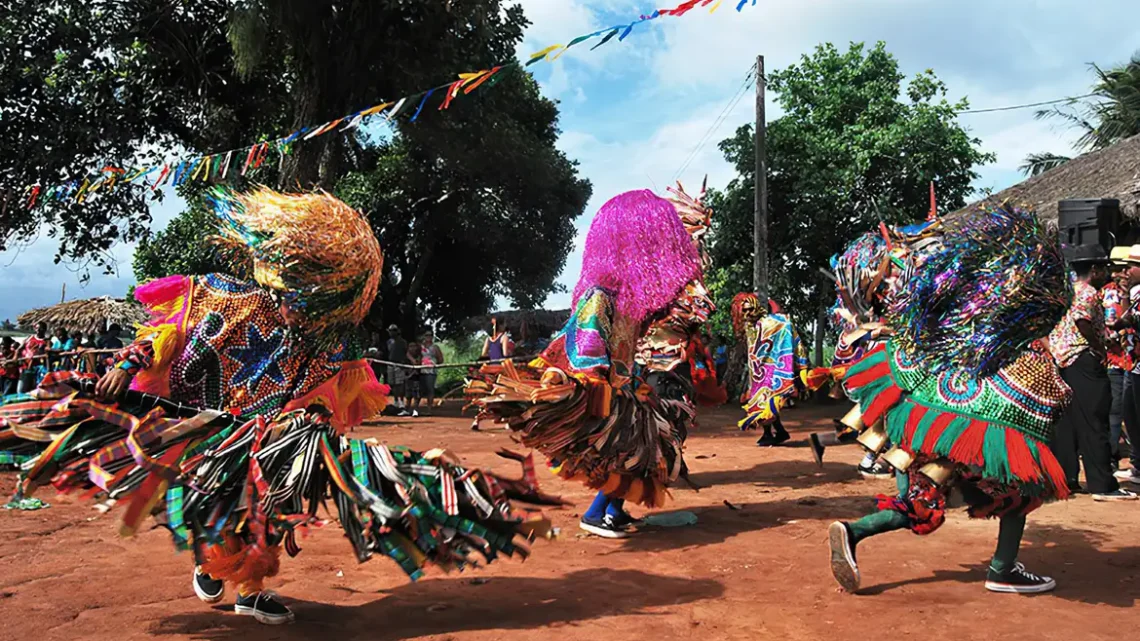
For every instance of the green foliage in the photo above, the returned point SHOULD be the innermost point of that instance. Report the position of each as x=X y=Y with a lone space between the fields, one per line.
x=478 y=205
x=1037 y=164
x=1112 y=114
x=184 y=247
x=853 y=148
x=94 y=83
x=463 y=349
x=469 y=205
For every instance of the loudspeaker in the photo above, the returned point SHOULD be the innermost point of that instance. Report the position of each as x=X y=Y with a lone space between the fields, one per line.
x=1085 y=221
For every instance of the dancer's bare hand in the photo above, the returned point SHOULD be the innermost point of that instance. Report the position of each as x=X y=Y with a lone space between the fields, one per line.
x=113 y=384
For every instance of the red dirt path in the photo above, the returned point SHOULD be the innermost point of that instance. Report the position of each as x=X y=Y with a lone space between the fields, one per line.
x=757 y=571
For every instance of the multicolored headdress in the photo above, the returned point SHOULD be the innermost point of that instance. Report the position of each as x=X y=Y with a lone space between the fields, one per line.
x=746 y=311
x=312 y=251
x=638 y=248
x=695 y=216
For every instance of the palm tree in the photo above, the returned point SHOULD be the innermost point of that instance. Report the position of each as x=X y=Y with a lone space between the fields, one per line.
x=1109 y=114
x=1037 y=164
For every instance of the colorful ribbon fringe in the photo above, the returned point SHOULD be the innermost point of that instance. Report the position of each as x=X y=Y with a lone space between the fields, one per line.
x=217 y=166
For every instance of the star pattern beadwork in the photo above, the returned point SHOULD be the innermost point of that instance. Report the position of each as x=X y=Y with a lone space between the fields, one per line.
x=259 y=358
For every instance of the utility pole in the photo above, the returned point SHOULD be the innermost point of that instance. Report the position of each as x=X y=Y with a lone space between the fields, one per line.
x=760 y=231
x=63 y=293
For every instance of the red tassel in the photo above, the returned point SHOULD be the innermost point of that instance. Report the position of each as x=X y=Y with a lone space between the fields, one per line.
x=1021 y=463
x=855 y=381
x=883 y=402
x=935 y=432
x=912 y=421
x=1053 y=472
x=968 y=448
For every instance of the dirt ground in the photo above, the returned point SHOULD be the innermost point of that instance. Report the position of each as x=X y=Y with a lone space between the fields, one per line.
x=754 y=566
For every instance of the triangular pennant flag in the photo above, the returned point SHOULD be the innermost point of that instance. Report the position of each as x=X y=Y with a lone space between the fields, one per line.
x=609 y=36
x=540 y=55
x=481 y=80
x=395 y=110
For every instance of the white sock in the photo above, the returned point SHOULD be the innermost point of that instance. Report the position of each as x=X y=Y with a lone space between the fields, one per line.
x=868 y=460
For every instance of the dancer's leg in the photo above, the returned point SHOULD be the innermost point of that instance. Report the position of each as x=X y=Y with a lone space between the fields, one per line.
x=598 y=521
x=1005 y=573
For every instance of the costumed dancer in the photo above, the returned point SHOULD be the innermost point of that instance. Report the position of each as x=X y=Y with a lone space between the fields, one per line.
x=589 y=401
x=868 y=275
x=497 y=347
x=777 y=366
x=234 y=404
x=966 y=390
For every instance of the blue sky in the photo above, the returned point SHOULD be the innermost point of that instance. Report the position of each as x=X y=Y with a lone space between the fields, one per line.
x=633 y=111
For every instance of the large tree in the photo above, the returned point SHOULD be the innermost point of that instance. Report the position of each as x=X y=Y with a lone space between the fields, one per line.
x=468 y=207
x=87 y=84
x=93 y=83
x=853 y=147
x=1109 y=115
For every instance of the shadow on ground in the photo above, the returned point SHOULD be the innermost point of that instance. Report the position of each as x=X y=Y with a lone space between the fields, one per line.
x=440 y=607
x=717 y=523
x=1050 y=550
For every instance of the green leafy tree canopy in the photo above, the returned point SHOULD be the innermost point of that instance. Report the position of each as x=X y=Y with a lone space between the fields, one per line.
x=853 y=147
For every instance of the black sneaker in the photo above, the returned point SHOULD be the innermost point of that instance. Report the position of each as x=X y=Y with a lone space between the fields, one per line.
x=265 y=608
x=875 y=470
x=207 y=589
x=817 y=449
x=843 y=565
x=1018 y=581
x=605 y=527
x=772 y=441
x=625 y=520
x=1116 y=495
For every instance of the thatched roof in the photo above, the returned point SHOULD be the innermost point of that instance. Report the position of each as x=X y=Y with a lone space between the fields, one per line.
x=538 y=323
x=90 y=315
x=1109 y=173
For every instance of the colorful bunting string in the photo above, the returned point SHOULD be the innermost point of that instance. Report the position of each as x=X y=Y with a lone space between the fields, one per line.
x=218 y=166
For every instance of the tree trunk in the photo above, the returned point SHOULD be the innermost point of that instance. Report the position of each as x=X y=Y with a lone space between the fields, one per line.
x=410 y=307
x=735 y=373
x=301 y=169
x=820 y=327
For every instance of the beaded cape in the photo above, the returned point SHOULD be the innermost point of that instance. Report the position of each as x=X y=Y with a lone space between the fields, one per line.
x=221 y=343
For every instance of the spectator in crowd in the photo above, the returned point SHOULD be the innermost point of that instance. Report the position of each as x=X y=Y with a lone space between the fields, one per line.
x=498 y=345
x=89 y=341
x=412 y=381
x=60 y=343
x=398 y=355
x=32 y=369
x=110 y=338
x=1130 y=456
x=1078 y=346
x=720 y=357
x=1115 y=298
x=10 y=375
x=432 y=356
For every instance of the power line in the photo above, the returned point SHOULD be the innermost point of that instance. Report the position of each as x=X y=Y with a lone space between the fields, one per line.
x=724 y=114
x=1026 y=106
